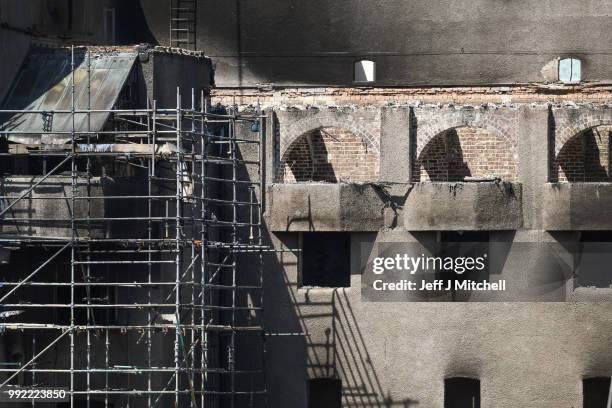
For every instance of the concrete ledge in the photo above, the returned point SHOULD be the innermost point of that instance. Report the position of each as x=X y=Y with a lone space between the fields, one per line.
x=464 y=206
x=323 y=207
x=591 y=295
x=577 y=206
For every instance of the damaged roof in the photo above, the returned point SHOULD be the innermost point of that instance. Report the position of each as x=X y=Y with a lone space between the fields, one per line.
x=44 y=83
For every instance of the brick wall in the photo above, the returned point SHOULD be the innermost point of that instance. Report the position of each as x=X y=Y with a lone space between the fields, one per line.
x=383 y=96
x=585 y=157
x=571 y=110
x=466 y=152
x=332 y=155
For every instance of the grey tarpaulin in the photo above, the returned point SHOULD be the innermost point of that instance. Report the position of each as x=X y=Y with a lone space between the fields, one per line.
x=44 y=83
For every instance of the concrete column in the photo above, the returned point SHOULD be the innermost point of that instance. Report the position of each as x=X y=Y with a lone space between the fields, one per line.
x=533 y=161
x=269 y=152
x=395 y=158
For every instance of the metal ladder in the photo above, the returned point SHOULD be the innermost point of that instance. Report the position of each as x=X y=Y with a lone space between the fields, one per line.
x=183 y=23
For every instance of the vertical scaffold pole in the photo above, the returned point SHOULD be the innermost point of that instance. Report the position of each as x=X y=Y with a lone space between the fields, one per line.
x=260 y=243
x=149 y=237
x=178 y=249
x=73 y=177
x=203 y=254
x=233 y=248
x=90 y=315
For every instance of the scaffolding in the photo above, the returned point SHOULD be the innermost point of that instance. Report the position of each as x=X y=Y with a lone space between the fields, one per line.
x=145 y=247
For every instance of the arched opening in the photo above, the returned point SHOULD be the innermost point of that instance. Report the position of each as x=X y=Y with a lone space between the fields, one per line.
x=585 y=157
x=466 y=154
x=329 y=155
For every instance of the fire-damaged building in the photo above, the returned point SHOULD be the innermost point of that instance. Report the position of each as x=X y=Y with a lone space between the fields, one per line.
x=194 y=191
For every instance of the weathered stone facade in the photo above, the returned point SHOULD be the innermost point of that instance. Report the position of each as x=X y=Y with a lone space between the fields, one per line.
x=438 y=160
x=465 y=128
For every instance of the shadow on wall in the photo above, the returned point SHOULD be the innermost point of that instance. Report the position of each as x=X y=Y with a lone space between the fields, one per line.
x=329 y=155
x=352 y=362
x=442 y=159
x=132 y=26
x=585 y=157
x=466 y=154
x=341 y=354
x=308 y=160
x=307 y=338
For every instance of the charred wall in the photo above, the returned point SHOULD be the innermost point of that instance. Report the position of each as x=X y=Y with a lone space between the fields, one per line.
x=413 y=43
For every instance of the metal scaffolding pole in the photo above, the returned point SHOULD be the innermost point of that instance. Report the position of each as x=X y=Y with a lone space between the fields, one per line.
x=146 y=265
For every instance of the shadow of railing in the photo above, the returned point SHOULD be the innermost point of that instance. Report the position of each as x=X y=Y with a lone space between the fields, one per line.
x=342 y=352
x=311 y=333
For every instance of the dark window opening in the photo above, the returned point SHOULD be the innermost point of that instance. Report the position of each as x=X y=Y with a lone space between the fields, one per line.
x=324 y=393
x=594 y=254
x=461 y=392
x=325 y=259
x=595 y=392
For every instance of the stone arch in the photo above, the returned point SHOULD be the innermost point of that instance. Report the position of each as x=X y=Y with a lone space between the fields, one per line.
x=464 y=152
x=300 y=127
x=585 y=156
x=328 y=154
x=501 y=124
x=578 y=125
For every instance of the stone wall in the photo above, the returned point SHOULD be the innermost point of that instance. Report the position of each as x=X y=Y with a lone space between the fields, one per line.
x=385 y=96
x=400 y=353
